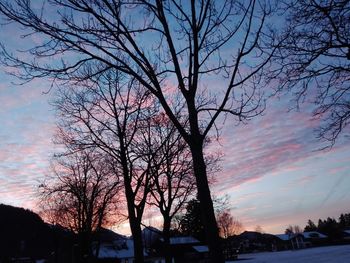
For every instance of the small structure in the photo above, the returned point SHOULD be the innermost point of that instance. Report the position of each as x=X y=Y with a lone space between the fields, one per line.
x=113 y=248
x=184 y=249
x=117 y=252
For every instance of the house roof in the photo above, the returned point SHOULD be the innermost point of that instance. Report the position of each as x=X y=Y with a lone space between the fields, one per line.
x=107 y=251
x=183 y=240
x=151 y=229
x=250 y=234
x=201 y=249
x=150 y=235
x=309 y=234
x=111 y=251
x=107 y=235
x=283 y=237
x=313 y=234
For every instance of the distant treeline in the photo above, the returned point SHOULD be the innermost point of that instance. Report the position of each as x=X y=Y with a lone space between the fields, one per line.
x=331 y=227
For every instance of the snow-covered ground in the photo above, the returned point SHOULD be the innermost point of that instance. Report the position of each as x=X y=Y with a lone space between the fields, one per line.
x=332 y=254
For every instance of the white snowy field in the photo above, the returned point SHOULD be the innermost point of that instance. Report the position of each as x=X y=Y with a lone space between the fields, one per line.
x=331 y=254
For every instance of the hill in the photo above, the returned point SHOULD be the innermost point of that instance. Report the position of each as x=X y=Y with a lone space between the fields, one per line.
x=25 y=234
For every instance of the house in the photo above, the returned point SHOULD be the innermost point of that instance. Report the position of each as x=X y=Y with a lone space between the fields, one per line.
x=300 y=240
x=112 y=247
x=314 y=238
x=291 y=241
x=150 y=235
x=250 y=241
x=283 y=242
x=22 y=260
x=346 y=235
x=115 y=248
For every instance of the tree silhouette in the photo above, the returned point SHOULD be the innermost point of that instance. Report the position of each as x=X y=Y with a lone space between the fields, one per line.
x=310 y=226
x=81 y=195
x=228 y=225
x=208 y=56
x=172 y=179
x=344 y=221
x=112 y=113
x=191 y=223
x=315 y=61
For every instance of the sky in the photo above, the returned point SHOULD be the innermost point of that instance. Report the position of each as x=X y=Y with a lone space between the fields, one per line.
x=273 y=172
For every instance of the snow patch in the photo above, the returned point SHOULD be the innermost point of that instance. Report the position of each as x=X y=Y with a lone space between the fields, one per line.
x=331 y=254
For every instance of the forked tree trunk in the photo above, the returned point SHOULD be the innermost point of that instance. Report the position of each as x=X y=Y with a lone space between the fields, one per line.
x=196 y=144
x=135 y=225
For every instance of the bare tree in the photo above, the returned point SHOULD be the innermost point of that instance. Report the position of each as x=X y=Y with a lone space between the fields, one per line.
x=172 y=179
x=314 y=61
x=293 y=234
x=228 y=225
x=107 y=112
x=109 y=109
x=81 y=195
x=293 y=229
x=297 y=229
x=211 y=54
x=259 y=229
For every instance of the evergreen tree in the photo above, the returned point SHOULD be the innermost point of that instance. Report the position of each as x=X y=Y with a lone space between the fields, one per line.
x=310 y=226
x=344 y=221
x=331 y=228
x=191 y=222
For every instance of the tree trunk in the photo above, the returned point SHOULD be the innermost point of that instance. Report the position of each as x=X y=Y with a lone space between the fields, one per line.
x=166 y=236
x=206 y=203
x=98 y=247
x=84 y=247
x=137 y=238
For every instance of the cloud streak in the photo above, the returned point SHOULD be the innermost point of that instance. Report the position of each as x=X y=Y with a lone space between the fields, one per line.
x=25 y=141
x=269 y=144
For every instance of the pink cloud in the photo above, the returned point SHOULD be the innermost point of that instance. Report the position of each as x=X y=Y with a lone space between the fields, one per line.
x=24 y=162
x=250 y=165
x=248 y=197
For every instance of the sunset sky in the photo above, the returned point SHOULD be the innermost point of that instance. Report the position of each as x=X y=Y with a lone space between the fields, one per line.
x=272 y=170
